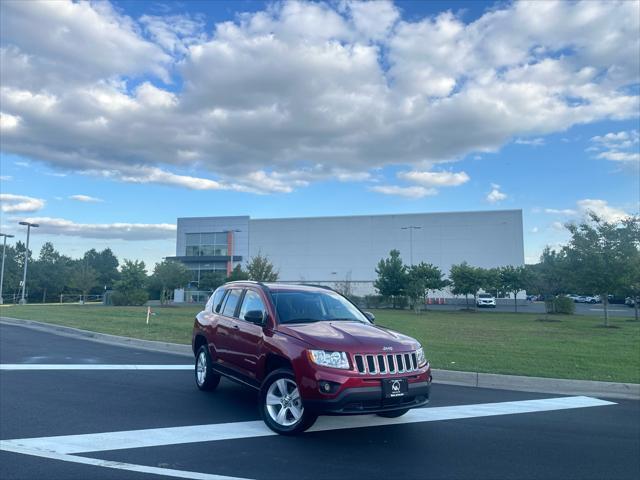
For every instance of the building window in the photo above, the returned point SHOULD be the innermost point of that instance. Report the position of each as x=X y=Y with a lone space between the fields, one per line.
x=206 y=244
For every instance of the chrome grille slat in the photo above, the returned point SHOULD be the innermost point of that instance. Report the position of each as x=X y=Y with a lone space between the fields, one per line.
x=385 y=363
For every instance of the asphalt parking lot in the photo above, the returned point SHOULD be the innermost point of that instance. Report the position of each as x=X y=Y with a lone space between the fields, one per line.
x=126 y=413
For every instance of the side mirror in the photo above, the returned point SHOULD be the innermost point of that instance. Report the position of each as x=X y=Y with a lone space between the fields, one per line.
x=255 y=316
x=370 y=316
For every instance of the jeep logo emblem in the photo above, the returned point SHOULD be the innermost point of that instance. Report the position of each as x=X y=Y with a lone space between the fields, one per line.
x=387 y=349
x=395 y=386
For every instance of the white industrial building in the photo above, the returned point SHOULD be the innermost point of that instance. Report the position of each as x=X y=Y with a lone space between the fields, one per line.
x=328 y=250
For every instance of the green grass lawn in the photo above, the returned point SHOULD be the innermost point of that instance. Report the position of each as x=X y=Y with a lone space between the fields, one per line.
x=574 y=347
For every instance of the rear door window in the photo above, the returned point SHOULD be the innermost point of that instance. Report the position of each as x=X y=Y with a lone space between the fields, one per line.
x=231 y=303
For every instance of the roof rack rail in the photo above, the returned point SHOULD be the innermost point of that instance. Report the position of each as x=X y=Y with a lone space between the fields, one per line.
x=326 y=287
x=246 y=281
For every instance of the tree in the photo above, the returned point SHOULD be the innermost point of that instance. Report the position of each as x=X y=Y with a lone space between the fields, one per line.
x=601 y=255
x=261 y=269
x=105 y=264
x=467 y=280
x=130 y=289
x=12 y=274
x=169 y=275
x=50 y=273
x=632 y=283
x=392 y=276
x=238 y=274
x=512 y=280
x=83 y=278
x=420 y=279
x=491 y=281
x=211 y=280
x=344 y=287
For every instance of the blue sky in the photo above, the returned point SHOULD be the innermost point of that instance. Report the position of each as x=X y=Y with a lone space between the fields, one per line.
x=119 y=118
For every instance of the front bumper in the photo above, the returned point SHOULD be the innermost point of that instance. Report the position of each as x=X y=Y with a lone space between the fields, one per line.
x=363 y=400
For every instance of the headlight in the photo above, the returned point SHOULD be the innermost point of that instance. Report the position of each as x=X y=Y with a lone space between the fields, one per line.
x=329 y=359
x=422 y=361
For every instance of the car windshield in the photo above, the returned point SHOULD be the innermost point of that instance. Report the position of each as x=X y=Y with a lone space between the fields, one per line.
x=485 y=295
x=309 y=307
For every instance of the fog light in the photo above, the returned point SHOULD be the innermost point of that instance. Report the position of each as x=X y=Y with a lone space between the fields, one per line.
x=325 y=387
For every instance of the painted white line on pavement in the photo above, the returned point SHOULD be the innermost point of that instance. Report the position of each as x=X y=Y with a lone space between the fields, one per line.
x=131 y=467
x=609 y=310
x=89 y=366
x=155 y=437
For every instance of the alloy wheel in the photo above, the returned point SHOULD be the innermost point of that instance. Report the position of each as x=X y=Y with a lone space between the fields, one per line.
x=284 y=403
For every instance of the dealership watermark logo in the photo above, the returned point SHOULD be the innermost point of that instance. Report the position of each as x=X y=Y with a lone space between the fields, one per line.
x=395 y=386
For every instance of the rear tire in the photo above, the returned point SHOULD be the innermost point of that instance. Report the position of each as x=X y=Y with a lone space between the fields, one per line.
x=206 y=379
x=393 y=414
x=281 y=406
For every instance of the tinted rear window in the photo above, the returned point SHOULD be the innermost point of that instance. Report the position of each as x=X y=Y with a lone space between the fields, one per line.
x=231 y=303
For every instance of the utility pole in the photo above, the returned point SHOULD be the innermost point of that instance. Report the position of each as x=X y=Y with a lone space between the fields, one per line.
x=26 y=260
x=4 y=248
x=411 y=228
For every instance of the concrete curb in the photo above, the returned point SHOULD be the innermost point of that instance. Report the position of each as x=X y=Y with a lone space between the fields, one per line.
x=629 y=391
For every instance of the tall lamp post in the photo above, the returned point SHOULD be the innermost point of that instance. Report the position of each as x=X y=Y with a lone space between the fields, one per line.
x=4 y=248
x=26 y=260
x=411 y=228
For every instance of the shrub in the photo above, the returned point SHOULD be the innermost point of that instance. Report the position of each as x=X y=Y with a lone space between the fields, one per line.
x=560 y=304
x=131 y=297
x=373 y=301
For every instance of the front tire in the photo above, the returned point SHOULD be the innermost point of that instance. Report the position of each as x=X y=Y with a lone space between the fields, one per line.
x=281 y=406
x=393 y=414
x=206 y=379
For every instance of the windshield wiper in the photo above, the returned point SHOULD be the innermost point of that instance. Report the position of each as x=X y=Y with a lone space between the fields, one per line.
x=303 y=320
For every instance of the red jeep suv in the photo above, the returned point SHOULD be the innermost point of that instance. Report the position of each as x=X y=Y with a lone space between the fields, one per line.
x=309 y=351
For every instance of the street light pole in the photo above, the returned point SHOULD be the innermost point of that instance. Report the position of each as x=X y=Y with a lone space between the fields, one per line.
x=26 y=260
x=4 y=248
x=411 y=228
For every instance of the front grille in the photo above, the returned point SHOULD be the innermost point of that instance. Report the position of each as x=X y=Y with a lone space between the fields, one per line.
x=381 y=364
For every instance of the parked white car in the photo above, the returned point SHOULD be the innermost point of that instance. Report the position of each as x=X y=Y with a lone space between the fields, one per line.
x=486 y=300
x=574 y=297
x=591 y=299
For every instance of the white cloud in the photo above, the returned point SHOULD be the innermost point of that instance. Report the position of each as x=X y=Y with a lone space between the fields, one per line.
x=620 y=156
x=174 y=33
x=63 y=42
x=408 y=192
x=435 y=179
x=535 y=230
x=598 y=206
x=373 y=20
x=495 y=195
x=8 y=122
x=558 y=226
x=602 y=209
x=6 y=178
x=349 y=87
x=10 y=203
x=124 y=231
x=534 y=142
x=560 y=211
x=85 y=198
x=617 y=146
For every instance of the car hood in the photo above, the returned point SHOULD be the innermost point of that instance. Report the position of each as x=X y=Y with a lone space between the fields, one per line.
x=354 y=337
